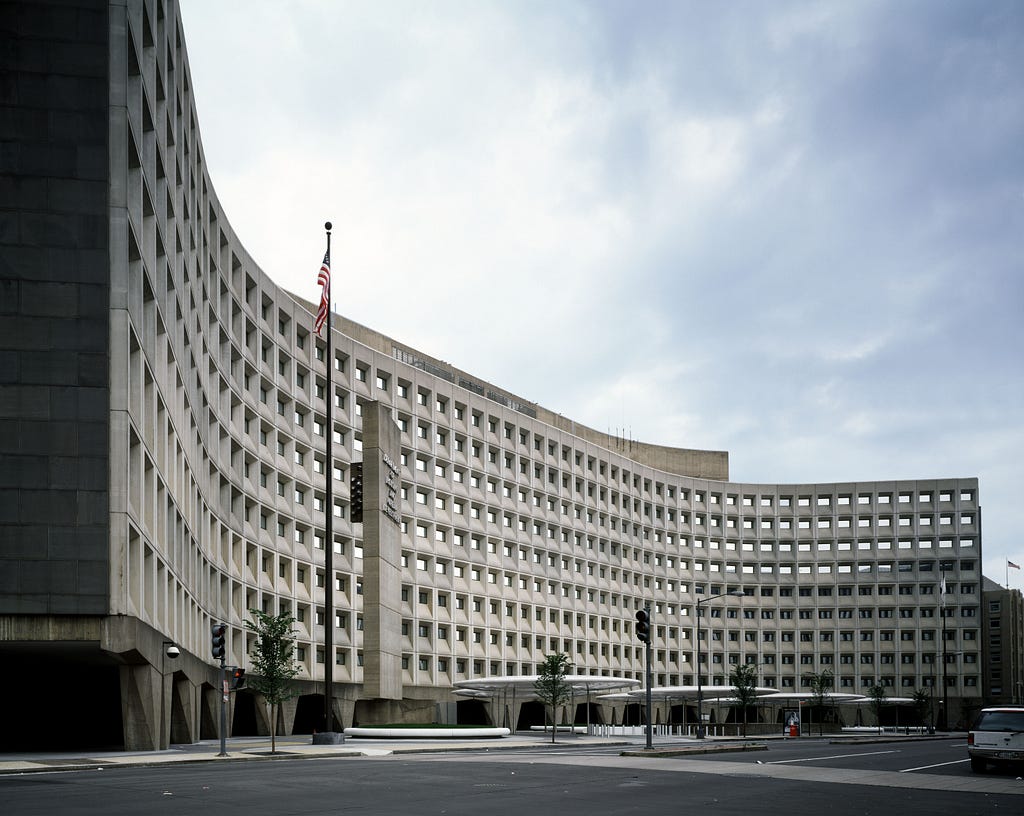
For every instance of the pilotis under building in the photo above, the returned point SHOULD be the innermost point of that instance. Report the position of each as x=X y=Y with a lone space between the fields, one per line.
x=163 y=467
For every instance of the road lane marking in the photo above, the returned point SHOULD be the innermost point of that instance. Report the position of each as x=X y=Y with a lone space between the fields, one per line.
x=837 y=756
x=936 y=765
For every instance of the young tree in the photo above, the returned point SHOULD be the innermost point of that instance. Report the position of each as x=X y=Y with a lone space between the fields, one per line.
x=821 y=684
x=273 y=662
x=922 y=704
x=551 y=687
x=744 y=681
x=877 y=695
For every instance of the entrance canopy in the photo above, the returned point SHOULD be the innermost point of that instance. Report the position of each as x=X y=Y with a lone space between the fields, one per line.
x=863 y=700
x=522 y=686
x=790 y=697
x=681 y=693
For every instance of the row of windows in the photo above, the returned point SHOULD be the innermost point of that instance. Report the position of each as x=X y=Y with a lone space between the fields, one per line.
x=495 y=576
x=480 y=668
x=422 y=459
x=269 y=409
x=478 y=481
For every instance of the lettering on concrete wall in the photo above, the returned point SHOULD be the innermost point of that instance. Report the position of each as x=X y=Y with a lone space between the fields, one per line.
x=390 y=504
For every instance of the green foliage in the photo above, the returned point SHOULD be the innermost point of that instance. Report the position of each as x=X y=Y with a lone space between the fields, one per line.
x=273 y=661
x=551 y=687
x=922 y=704
x=744 y=681
x=877 y=695
x=273 y=655
x=821 y=685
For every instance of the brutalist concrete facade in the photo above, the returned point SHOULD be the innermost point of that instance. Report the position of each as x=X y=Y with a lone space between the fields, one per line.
x=54 y=303
x=1004 y=644
x=164 y=416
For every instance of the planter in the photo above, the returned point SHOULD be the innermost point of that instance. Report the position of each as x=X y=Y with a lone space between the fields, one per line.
x=384 y=732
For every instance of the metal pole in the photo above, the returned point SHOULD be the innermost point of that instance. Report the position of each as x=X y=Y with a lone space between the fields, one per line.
x=223 y=708
x=700 y=692
x=931 y=700
x=588 y=707
x=650 y=725
x=945 y=683
x=736 y=593
x=160 y=744
x=329 y=522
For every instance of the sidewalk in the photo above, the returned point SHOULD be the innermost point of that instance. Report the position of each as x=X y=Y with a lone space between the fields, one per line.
x=251 y=749
x=247 y=749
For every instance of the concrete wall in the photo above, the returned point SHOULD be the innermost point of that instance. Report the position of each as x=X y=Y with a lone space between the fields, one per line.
x=53 y=308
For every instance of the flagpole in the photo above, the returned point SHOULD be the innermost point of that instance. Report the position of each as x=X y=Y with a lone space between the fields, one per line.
x=329 y=523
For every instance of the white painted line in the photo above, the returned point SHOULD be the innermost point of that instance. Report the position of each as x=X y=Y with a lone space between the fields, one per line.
x=937 y=765
x=838 y=756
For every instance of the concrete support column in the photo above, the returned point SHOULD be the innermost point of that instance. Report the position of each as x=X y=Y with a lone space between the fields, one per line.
x=262 y=708
x=141 y=687
x=344 y=710
x=515 y=708
x=184 y=710
x=286 y=716
x=210 y=718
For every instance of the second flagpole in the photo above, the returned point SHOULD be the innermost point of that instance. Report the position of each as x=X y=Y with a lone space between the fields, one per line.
x=329 y=521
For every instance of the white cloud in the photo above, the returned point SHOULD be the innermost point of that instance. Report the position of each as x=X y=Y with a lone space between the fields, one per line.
x=766 y=228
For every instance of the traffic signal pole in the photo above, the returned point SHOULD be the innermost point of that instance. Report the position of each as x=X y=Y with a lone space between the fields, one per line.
x=218 y=635
x=650 y=675
x=223 y=709
x=644 y=634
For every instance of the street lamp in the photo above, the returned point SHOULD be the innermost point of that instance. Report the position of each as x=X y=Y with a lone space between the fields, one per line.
x=736 y=593
x=171 y=651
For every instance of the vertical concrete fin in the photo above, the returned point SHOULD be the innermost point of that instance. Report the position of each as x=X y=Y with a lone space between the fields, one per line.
x=382 y=573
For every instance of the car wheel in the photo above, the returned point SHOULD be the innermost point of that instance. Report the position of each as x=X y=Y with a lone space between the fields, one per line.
x=978 y=765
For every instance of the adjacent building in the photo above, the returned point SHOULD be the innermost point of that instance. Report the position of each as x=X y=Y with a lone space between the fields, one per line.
x=1004 y=644
x=164 y=418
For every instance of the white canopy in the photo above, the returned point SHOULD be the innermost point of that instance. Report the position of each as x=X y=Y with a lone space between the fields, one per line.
x=807 y=698
x=681 y=693
x=522 y=686
x=863 y=700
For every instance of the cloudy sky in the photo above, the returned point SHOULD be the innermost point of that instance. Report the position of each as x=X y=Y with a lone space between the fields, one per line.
x=789 y=230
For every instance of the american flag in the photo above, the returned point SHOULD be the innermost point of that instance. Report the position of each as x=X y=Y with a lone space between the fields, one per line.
x=1010 y=564
x=323 y=280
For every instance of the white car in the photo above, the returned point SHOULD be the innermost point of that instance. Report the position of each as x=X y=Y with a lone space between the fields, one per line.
x=997 y=738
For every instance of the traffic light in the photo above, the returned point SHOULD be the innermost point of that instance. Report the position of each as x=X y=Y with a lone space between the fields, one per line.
x=643 y=626
x=217 y=632
x=355 y=493
x=237 y=678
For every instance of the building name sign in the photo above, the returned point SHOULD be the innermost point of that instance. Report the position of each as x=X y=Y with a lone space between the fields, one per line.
x=391 y=483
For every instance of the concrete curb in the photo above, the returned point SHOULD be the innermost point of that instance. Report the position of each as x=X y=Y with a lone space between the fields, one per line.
x=686 y=750
x=288 y=752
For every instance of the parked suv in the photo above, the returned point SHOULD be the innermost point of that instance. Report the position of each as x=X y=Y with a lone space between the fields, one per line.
x=997 y=737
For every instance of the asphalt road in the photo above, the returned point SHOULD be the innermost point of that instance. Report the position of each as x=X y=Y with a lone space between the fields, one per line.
x=945 y=757
x=805 y=777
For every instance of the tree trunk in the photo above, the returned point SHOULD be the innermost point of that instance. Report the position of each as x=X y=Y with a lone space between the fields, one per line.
x=273 y=728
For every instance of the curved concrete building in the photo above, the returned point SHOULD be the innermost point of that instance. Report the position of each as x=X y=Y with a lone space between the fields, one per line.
x=164 y=467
